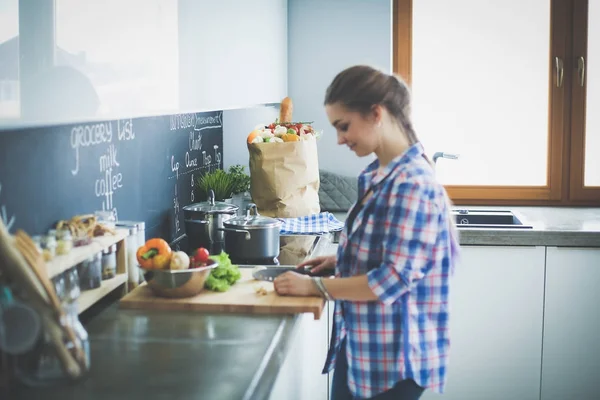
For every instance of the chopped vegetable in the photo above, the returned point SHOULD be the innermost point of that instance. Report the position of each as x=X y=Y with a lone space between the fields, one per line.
x=179 y=260
x=225 y=275
x=155 y=254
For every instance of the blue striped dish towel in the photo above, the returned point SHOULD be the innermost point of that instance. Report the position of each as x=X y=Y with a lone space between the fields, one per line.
x=315 y=224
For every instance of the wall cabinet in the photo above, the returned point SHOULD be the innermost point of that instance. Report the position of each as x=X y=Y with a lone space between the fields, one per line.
x=496 y=324
x=232 y=54
x=571 y=356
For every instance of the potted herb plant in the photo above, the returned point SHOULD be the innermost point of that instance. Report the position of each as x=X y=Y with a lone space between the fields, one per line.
x=222 y=183
x=241 y=179
x=241 y=184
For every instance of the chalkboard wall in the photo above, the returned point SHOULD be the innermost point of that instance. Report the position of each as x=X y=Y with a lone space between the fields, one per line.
x=143 y=168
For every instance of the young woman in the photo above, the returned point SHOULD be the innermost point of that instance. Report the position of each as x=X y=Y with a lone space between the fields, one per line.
x=396 y=254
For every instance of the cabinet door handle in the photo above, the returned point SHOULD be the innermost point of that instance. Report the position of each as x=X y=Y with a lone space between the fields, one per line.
x=559 y=71
x=581 y=70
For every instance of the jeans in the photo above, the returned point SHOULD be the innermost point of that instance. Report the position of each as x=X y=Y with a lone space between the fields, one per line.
x=404 y=390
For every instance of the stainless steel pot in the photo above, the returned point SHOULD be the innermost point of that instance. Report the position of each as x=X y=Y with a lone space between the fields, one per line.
x=252 y=237
x=204 y=222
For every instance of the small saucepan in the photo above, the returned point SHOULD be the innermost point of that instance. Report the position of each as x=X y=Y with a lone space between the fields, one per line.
x=252 y=237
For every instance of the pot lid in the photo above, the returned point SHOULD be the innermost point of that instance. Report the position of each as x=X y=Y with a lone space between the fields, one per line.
x=252 y=222
x=212 y=206
x=217 y=207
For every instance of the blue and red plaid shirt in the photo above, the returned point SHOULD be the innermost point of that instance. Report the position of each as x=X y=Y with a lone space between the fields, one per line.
x=403 y=240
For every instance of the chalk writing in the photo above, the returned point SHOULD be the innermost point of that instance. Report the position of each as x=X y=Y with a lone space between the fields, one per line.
x=175 y=166
x=212 y=122
x=217 y=156
x=89 y=135
x=182 y=121
x=190 y=162
x=8 y=222
x=192 y=191
x=176 y=210
x=195 y=141
x=206 y=159
x=109 y=158
x=125 y=129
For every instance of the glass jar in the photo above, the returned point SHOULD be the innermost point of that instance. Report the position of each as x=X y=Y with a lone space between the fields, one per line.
x=60 y=286
x=49 y=247
x=106 y=218
x=90 y=272
x=109 y=262
x=72 y=289
x=132 y=263
x=64 y=243
x=42 y=365
x=141 y=240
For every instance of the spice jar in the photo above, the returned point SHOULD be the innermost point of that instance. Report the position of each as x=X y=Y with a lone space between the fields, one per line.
x=106 y=218
x=64 y=243
x=132 y=263
x=90 y=272
x=109 y=262
x=49 y=247
x=60 y=286
x=72 y=284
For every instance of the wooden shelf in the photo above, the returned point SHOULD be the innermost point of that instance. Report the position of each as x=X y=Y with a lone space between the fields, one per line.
x=90 y=297
x=79 y=254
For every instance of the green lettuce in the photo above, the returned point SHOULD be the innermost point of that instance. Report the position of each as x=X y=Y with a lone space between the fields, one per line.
x=225 y=275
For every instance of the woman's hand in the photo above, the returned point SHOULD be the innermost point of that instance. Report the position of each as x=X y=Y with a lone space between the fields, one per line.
x=320 y=263
x=293 y=284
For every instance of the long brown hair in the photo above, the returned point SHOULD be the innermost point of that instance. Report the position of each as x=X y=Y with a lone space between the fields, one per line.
x=361 y=87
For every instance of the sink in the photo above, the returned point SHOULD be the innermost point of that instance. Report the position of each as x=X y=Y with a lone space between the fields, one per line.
x=488 y=219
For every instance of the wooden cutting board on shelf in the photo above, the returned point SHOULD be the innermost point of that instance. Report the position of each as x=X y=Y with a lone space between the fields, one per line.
x=240 y=298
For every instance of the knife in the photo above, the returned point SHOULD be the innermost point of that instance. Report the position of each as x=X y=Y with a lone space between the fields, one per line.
x=263 y=273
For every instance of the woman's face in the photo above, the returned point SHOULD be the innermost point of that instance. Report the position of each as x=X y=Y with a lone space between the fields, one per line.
x=354 y=130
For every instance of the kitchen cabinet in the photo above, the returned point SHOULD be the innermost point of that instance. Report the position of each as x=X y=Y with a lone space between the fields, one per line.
x=571 y=353
x=232 y=54
x=300 y=376
x=496 y=324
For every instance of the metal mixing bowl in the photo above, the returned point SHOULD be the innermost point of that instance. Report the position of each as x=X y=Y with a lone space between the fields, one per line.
x=178 y=283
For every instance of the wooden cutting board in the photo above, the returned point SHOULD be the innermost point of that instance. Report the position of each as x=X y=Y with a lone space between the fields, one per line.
x=240 y=298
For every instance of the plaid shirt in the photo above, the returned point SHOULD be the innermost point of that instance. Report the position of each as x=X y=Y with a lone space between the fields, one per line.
x=403 y=241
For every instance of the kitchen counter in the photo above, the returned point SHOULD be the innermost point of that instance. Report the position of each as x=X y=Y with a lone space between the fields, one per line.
x=150 y=355
x=552 y=226
x=177 y=355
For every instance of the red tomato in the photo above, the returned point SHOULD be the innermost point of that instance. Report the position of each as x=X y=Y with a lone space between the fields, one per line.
x=201 y=255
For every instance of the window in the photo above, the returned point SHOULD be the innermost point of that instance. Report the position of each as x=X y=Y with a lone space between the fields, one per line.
x=503 y=84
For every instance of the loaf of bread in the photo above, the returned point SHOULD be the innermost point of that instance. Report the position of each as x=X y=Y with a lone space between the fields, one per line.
x=286 y=110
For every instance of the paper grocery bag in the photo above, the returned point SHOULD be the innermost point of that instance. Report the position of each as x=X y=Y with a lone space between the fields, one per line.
x=294 y=249
x=284 y=178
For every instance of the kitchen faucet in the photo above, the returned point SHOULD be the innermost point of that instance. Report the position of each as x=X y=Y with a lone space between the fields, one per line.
x=440 y=154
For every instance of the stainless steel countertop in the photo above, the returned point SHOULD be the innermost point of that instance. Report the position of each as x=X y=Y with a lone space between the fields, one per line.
x=165 y=355
x=150 y=355
x=552 y=226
